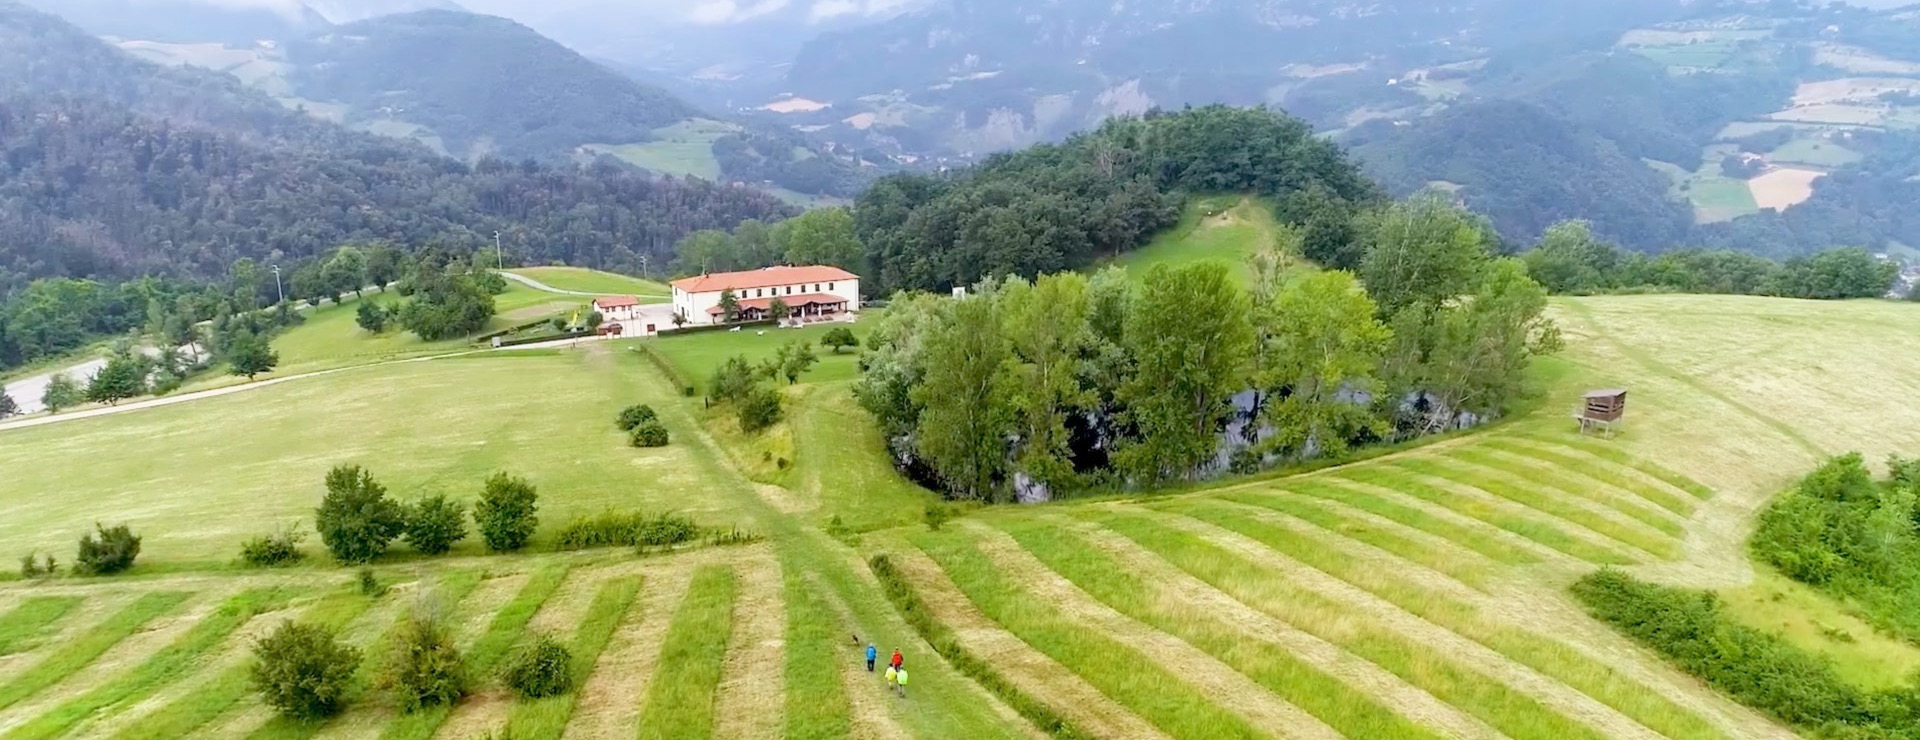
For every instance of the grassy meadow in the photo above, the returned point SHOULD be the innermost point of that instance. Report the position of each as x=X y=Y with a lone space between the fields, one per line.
x=1416 y=594
x=697 y=355
x=684 y=149
x=583 y=280
x=1222 y=229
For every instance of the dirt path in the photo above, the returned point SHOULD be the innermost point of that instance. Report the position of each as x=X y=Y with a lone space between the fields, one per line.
x=1229 y=688
x=750 y=700
x=1460 y=650
x=1035 y=673
x=1357 y=673
x=610 y=700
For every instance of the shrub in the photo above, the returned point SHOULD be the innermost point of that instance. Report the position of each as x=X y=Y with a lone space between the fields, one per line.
x=759 y=410
x=30 y=566
x=302 y=671
x=506 y=512
x=425 y=669
x=633 y=416
x=936 y=516
x=356 y=519
x=649 y=434
x=541 y=669
x=370 y=584
x=611 y=529
x=113 y=552
x=273 y=550
x=435 y=523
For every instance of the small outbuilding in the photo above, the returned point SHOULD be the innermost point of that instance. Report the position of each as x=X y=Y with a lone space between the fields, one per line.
x=1602 y=410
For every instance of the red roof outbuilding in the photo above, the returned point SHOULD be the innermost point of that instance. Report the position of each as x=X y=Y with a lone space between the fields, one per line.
x=615 y=301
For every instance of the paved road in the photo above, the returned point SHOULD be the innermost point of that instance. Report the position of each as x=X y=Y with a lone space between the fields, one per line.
x=537 y=285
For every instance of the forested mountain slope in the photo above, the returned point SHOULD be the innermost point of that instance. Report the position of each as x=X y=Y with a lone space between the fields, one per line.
x=114 y=167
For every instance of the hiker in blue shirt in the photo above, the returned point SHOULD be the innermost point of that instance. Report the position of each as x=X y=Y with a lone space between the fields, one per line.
x=873 y=654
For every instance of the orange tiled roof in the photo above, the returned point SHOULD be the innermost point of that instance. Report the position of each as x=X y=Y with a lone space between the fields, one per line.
x=763 y=278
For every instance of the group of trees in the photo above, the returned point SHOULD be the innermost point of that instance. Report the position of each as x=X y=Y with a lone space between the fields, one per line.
x=1856 y=538
x=1570 y=259
x=822 y=236
x=1068 y=382
x=738 y=383
x=357 y=521
x=447 y=296
x=1058 y=207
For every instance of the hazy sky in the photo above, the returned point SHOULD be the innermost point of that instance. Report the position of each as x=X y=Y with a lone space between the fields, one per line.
x=683 y=11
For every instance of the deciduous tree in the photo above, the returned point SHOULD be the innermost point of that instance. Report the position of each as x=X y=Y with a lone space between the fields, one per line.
x=965 y=418
x=840 y=338
x=1321 y=351
x=356 y=520
x=1046 y=325
x=61 y=393
x=123 y=377
x=1190 y=340
x=250 y=355
x=507 y=512
x=1423 y=251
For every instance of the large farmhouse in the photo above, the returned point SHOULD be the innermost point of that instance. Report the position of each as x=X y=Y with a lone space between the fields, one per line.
x=811 y=293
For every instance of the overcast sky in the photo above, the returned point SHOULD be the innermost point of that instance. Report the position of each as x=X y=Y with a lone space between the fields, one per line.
x=682 y=11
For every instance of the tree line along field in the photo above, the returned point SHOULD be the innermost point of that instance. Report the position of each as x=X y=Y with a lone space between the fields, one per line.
x=1417 y=594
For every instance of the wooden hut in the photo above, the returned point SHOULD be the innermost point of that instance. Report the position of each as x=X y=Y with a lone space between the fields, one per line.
x=1602 y=410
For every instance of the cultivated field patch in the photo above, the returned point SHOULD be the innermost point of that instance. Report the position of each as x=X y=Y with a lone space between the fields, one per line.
x=1783 y=188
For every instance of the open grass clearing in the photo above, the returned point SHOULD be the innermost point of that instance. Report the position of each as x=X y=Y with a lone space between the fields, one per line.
x=697 y=355
x=331 y=335
x=1221 y=228
x=680 y=700
x=85 y=647
x=1717 y=198
x=255 y=461
x=167 y=665
x=1511 y=468
x=1492 y=510
x=583 y=280
x=1783 y=187
x=1453 y=561
x=841 y=464
x=1474 y=536
x=1576 y=512
x=1344 y=707
x=1424 y=658
x=1815 y=152
x=1159 y=695
x=1808 y=619
x=23 y=626
x=683 y=149
x=1575 y=461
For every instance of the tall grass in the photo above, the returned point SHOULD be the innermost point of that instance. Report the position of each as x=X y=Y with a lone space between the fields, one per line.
x=680 y=698
x=1466 y=536
x=1622 y=457
x=1551 y=504
x=1467 y=569
x=29 y=620
x=84 y=648
x=546 y=718
x=944 y=642
x=1528 y=525
x=1600 y=470
x=817 y=706
x=1617 y=499
x=170 y=664
x=486 y=652
x=1117 y=670
x=185 y=715
x=1353 y=714
x=451 y=590
x=1519 y=716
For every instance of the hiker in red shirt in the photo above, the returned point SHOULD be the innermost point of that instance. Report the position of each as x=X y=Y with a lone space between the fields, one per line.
x=896 y=659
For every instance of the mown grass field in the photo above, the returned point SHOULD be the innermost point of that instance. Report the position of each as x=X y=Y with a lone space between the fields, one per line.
x=1222 y=229
x=697 y=355
x=683 y=149
x=583 y=280
x=1418 y=594
x=332 y=337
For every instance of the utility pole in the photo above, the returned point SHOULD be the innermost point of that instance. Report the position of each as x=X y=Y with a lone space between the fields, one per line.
x=499 y=255
x=643 y=266
x=276 y=284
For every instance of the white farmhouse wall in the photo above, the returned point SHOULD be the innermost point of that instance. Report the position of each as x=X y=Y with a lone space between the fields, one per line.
x=697 y=307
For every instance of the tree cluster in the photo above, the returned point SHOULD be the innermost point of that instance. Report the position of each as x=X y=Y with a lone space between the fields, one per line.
x=1059 y=207
x=737 y=383
x=1068 y=382
x=823 y=236
x=1858 y=539
x=447 y=297
x=358 y=521
x=1570 y=259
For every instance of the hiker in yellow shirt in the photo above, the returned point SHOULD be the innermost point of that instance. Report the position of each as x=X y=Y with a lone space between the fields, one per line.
x=902 y=678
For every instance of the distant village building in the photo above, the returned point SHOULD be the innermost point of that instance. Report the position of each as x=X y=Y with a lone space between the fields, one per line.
x=812 y=293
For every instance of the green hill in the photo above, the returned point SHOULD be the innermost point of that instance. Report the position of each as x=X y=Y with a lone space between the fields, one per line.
x=1223 y=228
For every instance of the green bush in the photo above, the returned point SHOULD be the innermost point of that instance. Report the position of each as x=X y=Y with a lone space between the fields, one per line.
x=759 y=409
x=538 y=670
x=425 y=669
x=633 y=416
x=302 y=671
x=936 y=516
x=111 y=553
x=30 y=566
x=506 y=514
x=435 y=524
x=370 y=584
x=273 y=550
x=356 y=519
x=612 y=529
x=1843 y=533
x=649 y=433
